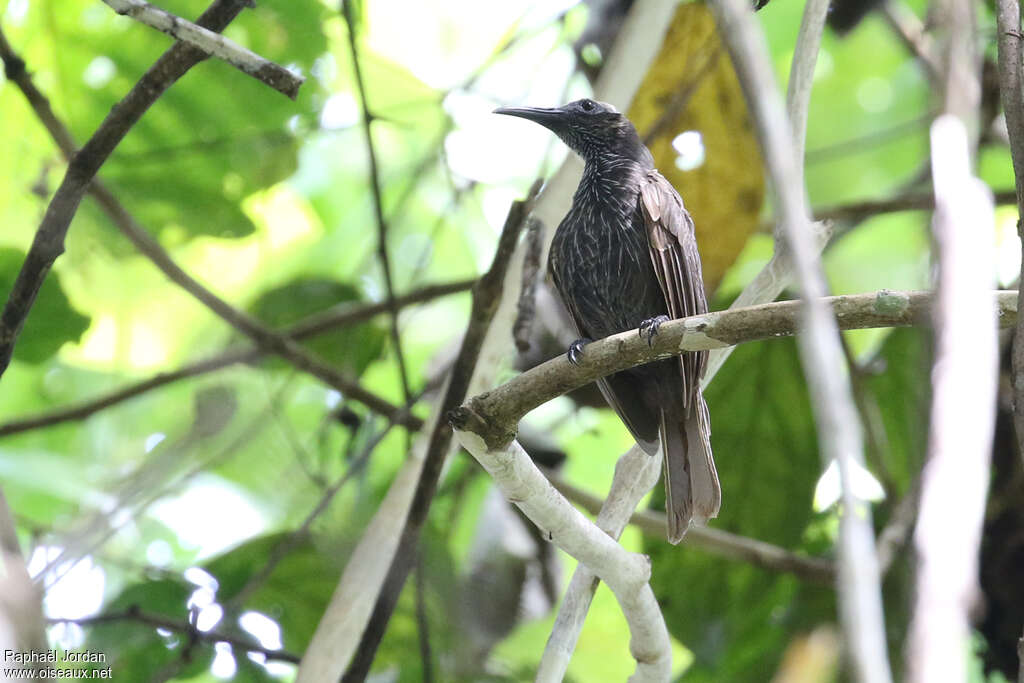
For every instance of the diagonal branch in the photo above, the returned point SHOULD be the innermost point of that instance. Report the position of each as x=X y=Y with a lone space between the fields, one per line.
x=635 y=474
x=339 y=316
x=378 y=200
x=859 y=584
x=211 y=44
x=48 y=243
x=626 y=574
x=367 y=593
x=264 y=337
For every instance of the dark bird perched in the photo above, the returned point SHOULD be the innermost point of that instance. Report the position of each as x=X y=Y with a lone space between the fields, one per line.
x=625 y=257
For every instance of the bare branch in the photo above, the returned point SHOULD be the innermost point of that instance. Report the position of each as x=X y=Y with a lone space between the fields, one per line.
x=911 y=30
x=378 y=202
x=333 y=318
x=635 y=474
x=48 y=243
x=497 y=412
x=212 y=44
x=858 y=211
x=627 y=574
x=714 y=541
x=1011 y=91
x=159 y=621
x=837 y=420
x=801 y=75
x=955 y=477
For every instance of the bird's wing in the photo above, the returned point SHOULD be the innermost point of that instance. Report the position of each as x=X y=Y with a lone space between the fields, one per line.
x=673 y=248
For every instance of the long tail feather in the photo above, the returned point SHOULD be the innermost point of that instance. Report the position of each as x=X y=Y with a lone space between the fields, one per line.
x=692 y=491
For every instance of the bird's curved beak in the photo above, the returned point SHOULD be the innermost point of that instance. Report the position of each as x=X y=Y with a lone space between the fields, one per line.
x=547 y=117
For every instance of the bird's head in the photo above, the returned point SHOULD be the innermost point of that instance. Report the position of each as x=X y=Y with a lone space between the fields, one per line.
x=594 y=130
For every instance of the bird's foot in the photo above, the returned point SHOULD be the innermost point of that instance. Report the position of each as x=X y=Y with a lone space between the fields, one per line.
x=649 y=327
x=575 y=351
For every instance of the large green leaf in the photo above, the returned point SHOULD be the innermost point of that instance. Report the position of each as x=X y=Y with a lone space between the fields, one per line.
x=351 y=348
x=213 y=138
x=734 y=617
x=51 y=322
x=296 y=592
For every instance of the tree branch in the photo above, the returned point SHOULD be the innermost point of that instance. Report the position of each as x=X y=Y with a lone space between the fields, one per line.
x=627 y=574
x=494 y=414
x=160 y=621
x=263 y=336
x=837 y=421
x=211 y=44
x=712 y=541
x=378 y=201
x=858 y=211
x=1011 y=91
x=365 y=598
x=955 y=478
x=48 y=243
x=333 y=318
x=801 y=75
x=635 y=474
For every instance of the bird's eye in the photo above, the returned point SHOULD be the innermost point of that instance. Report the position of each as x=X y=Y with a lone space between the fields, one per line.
x=587 y=105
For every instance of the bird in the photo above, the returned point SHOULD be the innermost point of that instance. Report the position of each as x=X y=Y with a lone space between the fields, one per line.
x=625 y=257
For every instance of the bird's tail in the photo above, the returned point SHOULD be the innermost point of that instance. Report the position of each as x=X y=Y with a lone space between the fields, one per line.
x=691 y=481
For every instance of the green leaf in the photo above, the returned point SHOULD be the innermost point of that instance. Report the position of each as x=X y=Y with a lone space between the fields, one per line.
x=51 y=322
x=737 y=618
x=295 y=594
x=351 y=348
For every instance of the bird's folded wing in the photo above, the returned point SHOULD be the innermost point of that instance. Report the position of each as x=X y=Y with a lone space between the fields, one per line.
x=673 y=247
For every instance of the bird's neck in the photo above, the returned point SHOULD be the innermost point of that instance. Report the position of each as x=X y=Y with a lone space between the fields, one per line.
x=609 y=178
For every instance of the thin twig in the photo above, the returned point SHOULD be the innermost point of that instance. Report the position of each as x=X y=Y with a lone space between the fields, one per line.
x=48 y=243
x=858 y=211
x=1011 y=91
x=159 y=621
x=911 y=31
x=212 y=44
x=378 y=201
x=898 y=529
x=263 y=336
x=955 y=478
x=713 y=541
x=801 y=76
x=342 y=315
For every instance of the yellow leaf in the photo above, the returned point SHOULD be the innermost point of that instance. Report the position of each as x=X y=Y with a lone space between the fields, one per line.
x=691 y=91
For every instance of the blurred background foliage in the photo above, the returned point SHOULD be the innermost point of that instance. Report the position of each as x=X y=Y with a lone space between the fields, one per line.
x=196 y=500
